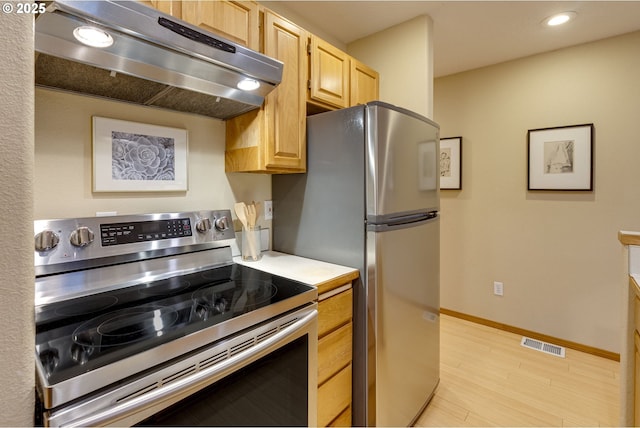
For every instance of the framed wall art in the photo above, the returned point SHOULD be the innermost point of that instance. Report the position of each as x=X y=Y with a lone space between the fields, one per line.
x=561 y=158
x=137 y=157
x=451 y=163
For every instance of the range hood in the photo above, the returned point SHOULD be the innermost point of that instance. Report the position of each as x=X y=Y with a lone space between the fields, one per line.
x=154 y=59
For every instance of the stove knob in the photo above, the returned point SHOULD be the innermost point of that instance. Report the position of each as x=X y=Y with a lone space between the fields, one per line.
x=203 y=225
x=46 y=240
x=81 y=237
x=222 y=223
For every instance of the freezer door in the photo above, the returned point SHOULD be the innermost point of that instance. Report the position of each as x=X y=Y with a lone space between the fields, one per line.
x=403 y=293
x=401 y=162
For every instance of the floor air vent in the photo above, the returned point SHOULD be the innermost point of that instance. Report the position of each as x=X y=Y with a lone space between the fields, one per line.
x=545 y=347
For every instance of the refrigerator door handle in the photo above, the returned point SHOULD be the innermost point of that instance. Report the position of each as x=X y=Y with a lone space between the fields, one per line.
x=403 y=222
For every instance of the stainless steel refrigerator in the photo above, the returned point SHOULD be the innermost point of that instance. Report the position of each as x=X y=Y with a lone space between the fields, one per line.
x=370 y=200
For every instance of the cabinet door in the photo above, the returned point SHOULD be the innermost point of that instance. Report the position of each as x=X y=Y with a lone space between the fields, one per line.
x=285 y=107
x=329 y=74
x=343 y=419
x=170 y=7
x=364 y=83
x=233 y=20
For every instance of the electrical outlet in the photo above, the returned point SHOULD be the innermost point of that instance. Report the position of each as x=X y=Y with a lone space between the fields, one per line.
x=498 y=288
x=268 y=210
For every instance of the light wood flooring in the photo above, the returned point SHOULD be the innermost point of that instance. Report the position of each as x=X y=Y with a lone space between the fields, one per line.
x=488 y=379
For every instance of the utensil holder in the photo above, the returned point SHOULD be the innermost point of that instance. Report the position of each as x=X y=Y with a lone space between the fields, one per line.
x=251 y=243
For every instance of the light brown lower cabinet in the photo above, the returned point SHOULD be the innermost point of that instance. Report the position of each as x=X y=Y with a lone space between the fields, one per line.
x=334 y=394
x=334 y=352
x=335 y=333
x=636 y=389
x=635 y=356
x=636 y=353
x=343 y=420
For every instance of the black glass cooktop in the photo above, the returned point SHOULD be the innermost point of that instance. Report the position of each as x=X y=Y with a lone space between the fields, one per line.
x=82 y=334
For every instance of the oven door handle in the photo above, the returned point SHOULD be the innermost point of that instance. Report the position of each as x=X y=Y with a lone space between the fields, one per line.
x=176 y=391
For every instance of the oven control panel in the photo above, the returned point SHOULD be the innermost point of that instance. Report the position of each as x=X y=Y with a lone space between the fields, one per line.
x=62 y=241
x=140 y=231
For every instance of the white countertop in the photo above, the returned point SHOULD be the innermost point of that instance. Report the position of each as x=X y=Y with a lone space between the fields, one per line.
x=308 y=271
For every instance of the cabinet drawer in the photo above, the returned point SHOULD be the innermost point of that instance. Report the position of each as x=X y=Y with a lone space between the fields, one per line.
x=343 y=420
x=334 y=311
x=636 y=380
x=334 y=352
x=334 y=396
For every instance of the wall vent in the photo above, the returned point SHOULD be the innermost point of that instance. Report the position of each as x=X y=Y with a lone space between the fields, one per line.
x=547 y=348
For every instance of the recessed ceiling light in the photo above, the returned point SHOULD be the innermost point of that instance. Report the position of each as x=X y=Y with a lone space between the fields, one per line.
x=560 y=18
x=92 y=36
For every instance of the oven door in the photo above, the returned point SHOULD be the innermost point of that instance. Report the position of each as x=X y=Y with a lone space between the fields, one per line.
x=264 y=377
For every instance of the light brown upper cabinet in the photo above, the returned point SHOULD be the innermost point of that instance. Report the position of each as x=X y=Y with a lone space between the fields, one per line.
x=329 y=74
x=364 y=83
x=272 y=139
x=170 y=7
x=237 y=21
x=337 y=80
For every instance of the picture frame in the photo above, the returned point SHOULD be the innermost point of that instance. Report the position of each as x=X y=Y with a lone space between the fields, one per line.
x=451 y=163
x=560 y=158
x=138 y=157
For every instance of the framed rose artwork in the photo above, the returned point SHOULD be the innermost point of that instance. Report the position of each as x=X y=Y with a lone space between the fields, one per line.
x=138 y=157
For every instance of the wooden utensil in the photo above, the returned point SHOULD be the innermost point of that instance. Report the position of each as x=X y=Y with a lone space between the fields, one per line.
x=241 y=212
x=251 y=215
x=259 y=210
x=248 y=222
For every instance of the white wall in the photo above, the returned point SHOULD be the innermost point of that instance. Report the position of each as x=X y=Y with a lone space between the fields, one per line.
x=16 y=214
x=403 y=56
x=557 y=253
x=63 y=161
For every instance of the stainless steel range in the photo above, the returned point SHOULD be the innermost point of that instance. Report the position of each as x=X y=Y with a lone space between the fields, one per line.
x=145 y=319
